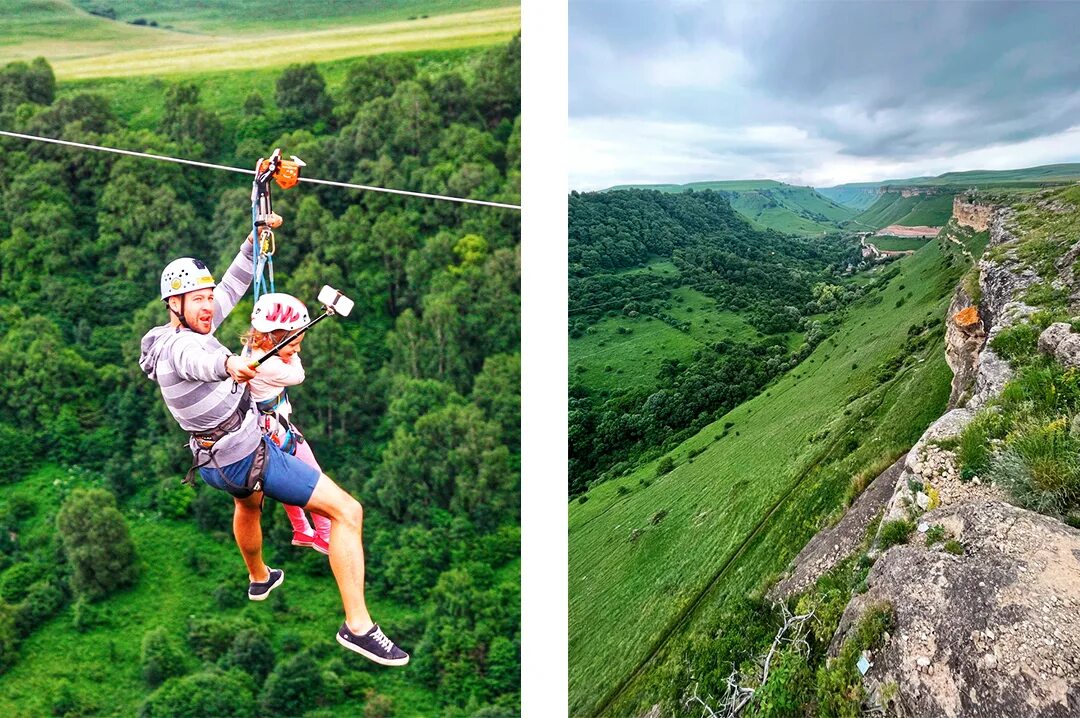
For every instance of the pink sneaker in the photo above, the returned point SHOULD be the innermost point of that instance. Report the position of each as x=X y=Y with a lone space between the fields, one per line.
x=302 y=539
x=319 y=545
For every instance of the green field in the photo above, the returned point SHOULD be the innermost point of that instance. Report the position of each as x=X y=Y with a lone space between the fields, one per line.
x=140 y=100
x=898 y=244
x=611 y=359
x=771 y=205
x=82 y=46
x=255 y=16
x=652 y=560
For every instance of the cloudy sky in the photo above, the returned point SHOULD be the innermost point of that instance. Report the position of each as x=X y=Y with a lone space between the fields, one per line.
x=818 y=93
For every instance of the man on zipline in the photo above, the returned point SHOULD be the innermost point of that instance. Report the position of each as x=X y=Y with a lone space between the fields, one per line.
x=200 y=380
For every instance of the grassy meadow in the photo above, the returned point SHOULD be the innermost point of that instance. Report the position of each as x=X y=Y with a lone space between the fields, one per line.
x=82 y=46
x=898 y=244
x=653 y=558
x=621 y=351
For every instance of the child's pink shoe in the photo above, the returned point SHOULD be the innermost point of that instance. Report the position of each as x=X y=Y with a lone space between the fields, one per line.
x=319 y=545
x=302 y=539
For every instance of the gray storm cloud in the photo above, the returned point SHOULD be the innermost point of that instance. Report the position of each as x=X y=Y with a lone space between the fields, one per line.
x=871 y=82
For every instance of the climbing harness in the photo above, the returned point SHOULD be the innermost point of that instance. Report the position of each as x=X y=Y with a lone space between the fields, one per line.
x=277 y=427
x=205 y=441
x=286 y=173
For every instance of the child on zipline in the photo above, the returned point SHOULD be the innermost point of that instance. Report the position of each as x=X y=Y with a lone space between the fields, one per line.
x=272 y=318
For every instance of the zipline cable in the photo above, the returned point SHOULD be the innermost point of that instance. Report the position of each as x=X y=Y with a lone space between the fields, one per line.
x=209 y=165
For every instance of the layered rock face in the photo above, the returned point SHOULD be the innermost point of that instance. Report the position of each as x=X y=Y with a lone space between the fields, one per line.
x=994 y=631
x=969 y=214
x=978 y=372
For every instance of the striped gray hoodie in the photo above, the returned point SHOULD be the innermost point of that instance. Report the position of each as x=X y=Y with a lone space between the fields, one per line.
x=190 y=370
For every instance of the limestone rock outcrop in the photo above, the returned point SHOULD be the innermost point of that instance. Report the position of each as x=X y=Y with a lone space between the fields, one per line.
x=1059 y=341
x=970 y=214
x=994 y=631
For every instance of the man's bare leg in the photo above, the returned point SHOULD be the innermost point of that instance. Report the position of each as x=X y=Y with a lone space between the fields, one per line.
x=247 y=528
x=346 y=548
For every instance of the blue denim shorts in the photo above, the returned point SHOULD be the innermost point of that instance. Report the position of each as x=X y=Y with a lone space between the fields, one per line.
x=287 y=479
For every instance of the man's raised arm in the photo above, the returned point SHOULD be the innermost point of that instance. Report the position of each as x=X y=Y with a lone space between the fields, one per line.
x=234 y=284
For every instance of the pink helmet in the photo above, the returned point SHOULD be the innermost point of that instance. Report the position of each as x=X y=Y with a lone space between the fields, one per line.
x=278 y=311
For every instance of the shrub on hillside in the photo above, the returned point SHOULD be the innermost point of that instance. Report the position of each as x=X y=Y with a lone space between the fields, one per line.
x=973 y=448
x=895 y=532
x=212 y=693
x=211 y=636
x=212 y=509
x=161 y=657
x=19 y=454
x=665 y=466
x=839 y=685
x=42 y=602
x=379 y=706
x=789 y=690
x=1039 y=467
x=16 y=580
x=96 y=543
x=9 y=638
x=294 y=686
x=252 y=653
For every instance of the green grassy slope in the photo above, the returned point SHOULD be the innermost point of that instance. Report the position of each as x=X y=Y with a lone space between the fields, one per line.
x=857 y=195
x=916 y=210
x=748 y=501
x=102 y=664
x=607 y=358
x=770 y=204
x=81 y=46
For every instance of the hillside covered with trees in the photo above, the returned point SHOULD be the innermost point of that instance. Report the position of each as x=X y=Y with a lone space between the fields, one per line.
x=411 y=403
x=780 y=289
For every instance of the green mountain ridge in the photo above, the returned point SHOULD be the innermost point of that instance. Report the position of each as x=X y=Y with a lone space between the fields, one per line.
x=861 y=195
x=769 y=204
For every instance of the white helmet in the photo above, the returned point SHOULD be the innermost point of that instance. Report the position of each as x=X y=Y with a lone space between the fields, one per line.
x=184 y=275
x=278 y=311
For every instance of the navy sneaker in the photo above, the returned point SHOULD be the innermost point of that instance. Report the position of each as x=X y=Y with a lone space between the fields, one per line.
x=373 y=645
x=259 y=590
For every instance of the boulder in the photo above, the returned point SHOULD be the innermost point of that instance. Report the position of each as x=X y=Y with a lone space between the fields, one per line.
x=1059 y=341
x=992 y=632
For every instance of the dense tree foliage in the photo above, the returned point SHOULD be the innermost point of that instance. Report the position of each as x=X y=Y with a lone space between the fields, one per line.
x=96 y=541
x=411 y=403
x=776 y=282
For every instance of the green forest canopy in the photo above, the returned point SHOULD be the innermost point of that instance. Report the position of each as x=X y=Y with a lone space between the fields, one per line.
x=412 y=403
x=777 y=282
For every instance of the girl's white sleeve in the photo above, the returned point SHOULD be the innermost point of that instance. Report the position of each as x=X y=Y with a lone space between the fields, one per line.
x=275 y=371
